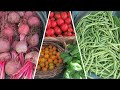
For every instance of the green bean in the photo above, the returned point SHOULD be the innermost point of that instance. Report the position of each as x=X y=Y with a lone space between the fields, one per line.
x=98 y=40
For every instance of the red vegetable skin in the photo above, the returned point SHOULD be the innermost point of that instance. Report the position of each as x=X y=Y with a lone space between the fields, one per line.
x=57 y=30
x=32 y=56
x=64 y=27
x=21 y=47
x=28 y=14
x=4 y=45
x=9 y=33
x=53 y=24
x=2 y=70
x=60 y=21
x=51 y=14
x=57 y=15
x=33 y=21
x=23 y=30
x=5 y=56
x=50 y=32
x=25 y=72
x=68 y=20
x=64 y=15
x=34 y=40
x=21 y=13
x=49 y=24
x=13 y=17
x=69 y=34
x=14 y=44
x=11 y=67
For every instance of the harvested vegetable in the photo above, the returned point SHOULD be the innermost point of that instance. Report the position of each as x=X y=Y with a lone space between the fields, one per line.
x=71 y=58
x=99 y=44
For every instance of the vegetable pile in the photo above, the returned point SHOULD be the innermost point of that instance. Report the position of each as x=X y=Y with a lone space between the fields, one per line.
x=72 y=60
x=59 y=25
x=19 y=38
x=49 y=58
x=98 y=35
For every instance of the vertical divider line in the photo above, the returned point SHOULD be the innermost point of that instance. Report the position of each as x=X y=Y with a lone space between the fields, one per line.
x=41 y=45
x=78 y=46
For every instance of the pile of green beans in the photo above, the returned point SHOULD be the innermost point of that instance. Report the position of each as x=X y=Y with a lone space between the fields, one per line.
x=99 y=43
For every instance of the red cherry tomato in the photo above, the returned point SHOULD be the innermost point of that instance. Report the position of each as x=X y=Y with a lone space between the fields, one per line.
x=64 y=27
x=68 y=20
x=57 y=30
x=49 y=23
x=64 y=15
x=60 y=21
x=57 y=15
x=51 y=14
x=49 y=32
x=53 y=23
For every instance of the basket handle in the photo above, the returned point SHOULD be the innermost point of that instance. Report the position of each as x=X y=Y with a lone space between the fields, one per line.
x=51 y=39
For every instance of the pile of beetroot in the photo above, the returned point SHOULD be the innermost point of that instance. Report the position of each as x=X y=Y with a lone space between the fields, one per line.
x=19 y=38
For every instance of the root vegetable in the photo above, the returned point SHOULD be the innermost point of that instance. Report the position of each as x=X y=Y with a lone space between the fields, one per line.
x=21 y=48
x=14 y=44
x=11 y=67
x=33 y=56
x=5 y=56
x=23 y=30
x=33 y=21
x=2 y=70
x=4 y=45
x=28 y=14
x=24 y=72
x=13 y=17
x=21 y=13
x=9 y=33
x=34 y=40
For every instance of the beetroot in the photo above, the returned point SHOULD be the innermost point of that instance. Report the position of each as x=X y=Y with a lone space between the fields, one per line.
x=4 y=45
x=23 y=30
x=34 y=40
x=21 y=13
x=11 y=67
x=2 y=70
x=5 y=56
x=28 y=14
x=33 y=21
x=13 y=17
x=33 y=56
x=9 y=33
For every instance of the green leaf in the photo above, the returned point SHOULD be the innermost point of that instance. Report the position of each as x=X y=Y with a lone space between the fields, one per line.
x=64 y=54
x=76 y=75
x=67 y=59
x=67 y=74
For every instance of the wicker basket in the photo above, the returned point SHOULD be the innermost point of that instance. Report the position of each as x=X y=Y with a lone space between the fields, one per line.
x=69 y=40
x=57 y=70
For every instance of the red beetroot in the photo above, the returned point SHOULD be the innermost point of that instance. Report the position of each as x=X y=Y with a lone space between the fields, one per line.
x=33 y=21
x=4 y=45
x=23 y=30
x=5 y=56
x=21 y=48
x=34 y=40
x=11 y=67
x=28 y=14
x=33 y=56
x=9 y=33
x=13 y=17
x=21 y=13
x=2 y=70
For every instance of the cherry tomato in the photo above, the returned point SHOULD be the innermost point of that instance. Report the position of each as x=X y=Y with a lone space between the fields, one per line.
x=64 y=27
x=68 y=20
x=50 y=32
x=64 y=15
x=53 y=23
x=57 y=30
x=57 y=15
x=51 y=14
x=60 y=21
x=49 y=23
x=70 y=30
